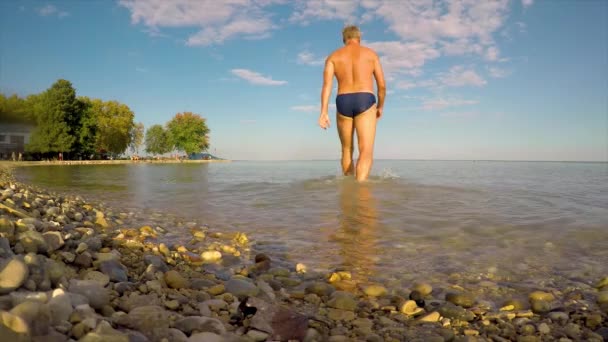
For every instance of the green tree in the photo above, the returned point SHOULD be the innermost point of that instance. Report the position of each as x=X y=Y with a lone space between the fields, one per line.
x=85 y=140
x=114 y=125
x=188 y=133
x=157 y=140
x=137 y=137
x=56 y=111
x=15 y=109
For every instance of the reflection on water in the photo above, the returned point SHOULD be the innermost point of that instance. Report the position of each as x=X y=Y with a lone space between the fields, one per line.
x=358 y=228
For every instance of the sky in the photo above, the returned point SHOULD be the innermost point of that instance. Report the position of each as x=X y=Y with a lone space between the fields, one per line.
x=466 y=79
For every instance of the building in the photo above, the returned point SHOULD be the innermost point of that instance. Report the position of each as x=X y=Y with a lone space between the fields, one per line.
x=13 y=138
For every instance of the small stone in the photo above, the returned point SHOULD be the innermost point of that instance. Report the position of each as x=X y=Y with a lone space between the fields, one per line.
x=98 y=277
x=600 y=284
x=300 y=268
x=320 y=289
x=172 y=304
x=431 y=317
x=340 y=315
x=573 y=331
x=424 y=288
x=60 y=306
x=53 y=240
x=241 y=288
x=200 y=324
x=33 y=242
x=541 y=306
x=211 y=256
x=461 y=299
x=13 y=328
x=115 y=270
x=216 y=290
x=375 y=290
x=175 y=280
x=602 y=297
x=541 y=295
x=257 y=335
x=410 y=308
x=164 y=250
x=206 y=337
x=417 y=297
x=97 y=295
x=544 y=329
x=342 y=300
x=81 y=247
x=13 y=274
x=593 y=321
x=84 y=260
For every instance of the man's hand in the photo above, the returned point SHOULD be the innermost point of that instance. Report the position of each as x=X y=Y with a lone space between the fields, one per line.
x=378 y=113
x=324 y=121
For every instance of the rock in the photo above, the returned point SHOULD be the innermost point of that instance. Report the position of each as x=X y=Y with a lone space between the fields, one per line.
x=151 y=320
x=13 y=274
x=423 y=288
x=7 y=228
x=201 y=283
x=593 y=321
x=600 y=284
x=541 y=306
x=98 y=277
x=115 y=270
x=241 y=288
x=340 y=315
x=257 y=335
x=68 y=257
x=13 y=328
x=200 y=324
x=164 y=250
x=211 y=256
x=101 y=220
x=60 y=306
x=158 y=263
x=540 y=295
x=452 y=311
x=410 y=308
x=280 y=322
x=175 y=335
x=105 y=333
x=573 y=331
x=602 y=297
x=431 y=317
x=84 y=260
x=216 y=290
x=33 y=242
x=172 y=305
x=417 y=297
x=135 y=300
x=5 y=248
x=461 y=299
x=375 y=290
x=544 y=328
x=342 y=300
x=53 y=240
x=175 y=280
x=206 y=337
x=320 y=289
x=97 y=295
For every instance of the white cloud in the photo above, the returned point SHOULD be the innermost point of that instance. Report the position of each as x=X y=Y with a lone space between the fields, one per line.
x=527 y=3
x=216 y=21
x=305 y=108
x=459 y=76
x=308 y=58
x=492 y=53
x=442 y=103
x=498 y=72
x=459 y=115
x=50 y=10
x=255 y=78
x=312 y=10
x=403 y=58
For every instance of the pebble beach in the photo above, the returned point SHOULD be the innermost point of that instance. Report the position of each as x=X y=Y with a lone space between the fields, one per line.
x=73 y=270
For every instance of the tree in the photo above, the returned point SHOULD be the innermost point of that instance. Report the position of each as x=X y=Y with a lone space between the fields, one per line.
x=56 y=112
x=157 y=140
x=85 y=140
x=188 y=133
x=114 y=125
x=137 y=137
x=15 y=109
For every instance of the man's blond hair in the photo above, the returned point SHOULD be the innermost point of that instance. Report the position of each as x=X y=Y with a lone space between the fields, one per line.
x=351 y=32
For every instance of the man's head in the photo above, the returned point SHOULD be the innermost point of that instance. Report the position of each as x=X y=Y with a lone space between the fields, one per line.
x=351 y=32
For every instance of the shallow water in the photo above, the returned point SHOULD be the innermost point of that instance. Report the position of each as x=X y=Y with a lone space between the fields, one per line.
x=521 y=224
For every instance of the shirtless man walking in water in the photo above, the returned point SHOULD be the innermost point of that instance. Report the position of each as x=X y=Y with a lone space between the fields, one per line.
x=354 y=66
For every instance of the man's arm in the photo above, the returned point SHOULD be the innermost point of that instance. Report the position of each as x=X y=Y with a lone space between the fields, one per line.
x=328 y=78
x=379 y=75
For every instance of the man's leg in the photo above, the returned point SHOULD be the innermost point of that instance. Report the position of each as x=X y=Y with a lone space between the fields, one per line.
x=365 y=125
x=345 y=131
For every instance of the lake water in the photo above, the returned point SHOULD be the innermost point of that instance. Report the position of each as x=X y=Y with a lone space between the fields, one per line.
x=520 y=224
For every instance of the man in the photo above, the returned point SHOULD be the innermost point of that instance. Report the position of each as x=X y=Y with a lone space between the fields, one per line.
x=354 y=66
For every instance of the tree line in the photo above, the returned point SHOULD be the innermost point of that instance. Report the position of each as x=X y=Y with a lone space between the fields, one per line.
x=83 y=128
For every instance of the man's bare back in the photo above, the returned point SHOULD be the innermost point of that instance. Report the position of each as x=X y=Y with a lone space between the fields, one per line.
x=355 y=67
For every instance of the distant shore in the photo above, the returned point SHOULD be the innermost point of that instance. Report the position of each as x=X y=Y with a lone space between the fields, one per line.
x=108 y=162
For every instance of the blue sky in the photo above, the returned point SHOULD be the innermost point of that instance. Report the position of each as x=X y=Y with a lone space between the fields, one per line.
x=467 y=79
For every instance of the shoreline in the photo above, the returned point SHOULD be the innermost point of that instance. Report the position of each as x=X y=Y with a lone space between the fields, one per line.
x=71 y=269
x=8 y=163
